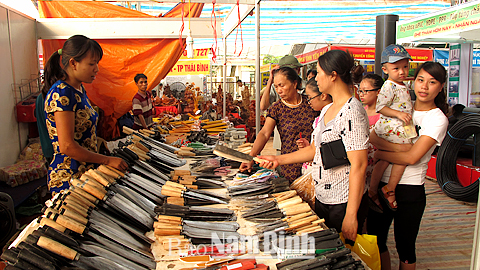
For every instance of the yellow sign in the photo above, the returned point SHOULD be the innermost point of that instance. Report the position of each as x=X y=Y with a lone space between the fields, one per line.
x=199 y=64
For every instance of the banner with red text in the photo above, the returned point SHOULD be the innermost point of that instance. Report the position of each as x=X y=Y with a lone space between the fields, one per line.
x=199 y=64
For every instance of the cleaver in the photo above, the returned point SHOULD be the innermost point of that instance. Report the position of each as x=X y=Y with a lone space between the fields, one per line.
x=232 y=154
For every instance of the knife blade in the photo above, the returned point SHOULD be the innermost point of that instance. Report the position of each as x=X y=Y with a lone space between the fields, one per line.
x=229 y=153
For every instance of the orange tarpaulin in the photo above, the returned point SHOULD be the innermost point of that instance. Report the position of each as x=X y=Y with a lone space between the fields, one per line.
x=114 y=88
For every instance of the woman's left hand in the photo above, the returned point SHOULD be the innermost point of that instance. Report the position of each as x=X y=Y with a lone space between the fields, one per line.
x=349 y=227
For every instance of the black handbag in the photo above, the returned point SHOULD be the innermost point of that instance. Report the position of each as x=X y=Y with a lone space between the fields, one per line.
x=333 y=154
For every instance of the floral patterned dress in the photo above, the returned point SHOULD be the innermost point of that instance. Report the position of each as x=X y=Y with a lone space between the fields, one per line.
x=290 y=122
x=396 y=97
x=63 y=97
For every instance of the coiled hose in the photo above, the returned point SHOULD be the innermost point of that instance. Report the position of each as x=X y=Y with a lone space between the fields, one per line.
x=446 y=169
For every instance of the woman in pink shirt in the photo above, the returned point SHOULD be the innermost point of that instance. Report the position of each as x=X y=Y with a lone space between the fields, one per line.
x=368 y=92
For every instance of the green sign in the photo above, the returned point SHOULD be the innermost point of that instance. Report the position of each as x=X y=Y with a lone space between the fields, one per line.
x=444 y=23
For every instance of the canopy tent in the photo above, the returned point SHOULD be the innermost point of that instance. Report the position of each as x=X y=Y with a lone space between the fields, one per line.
x=114 y=87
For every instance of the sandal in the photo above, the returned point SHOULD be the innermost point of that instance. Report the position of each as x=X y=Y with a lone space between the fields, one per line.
x=385 y=193
x=374 y=203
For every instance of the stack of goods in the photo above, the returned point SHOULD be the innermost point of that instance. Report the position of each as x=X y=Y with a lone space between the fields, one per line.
x=98 y=223
x=333 y=258
x=234 y=137
x=245 y=148
x=22 y=172
x=198 y=138
x=210 y=127
x=29 y=166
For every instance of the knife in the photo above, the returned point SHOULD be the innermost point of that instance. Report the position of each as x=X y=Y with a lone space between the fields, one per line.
x=95 y=262
x=233 y=154
x=173 y=189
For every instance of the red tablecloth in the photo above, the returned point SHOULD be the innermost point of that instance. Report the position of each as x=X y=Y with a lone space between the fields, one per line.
x=160 y=109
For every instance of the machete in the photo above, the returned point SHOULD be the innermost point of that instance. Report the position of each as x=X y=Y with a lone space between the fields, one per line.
x=95 y=262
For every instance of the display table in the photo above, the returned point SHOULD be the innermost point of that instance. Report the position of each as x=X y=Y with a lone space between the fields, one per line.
x=160 y=109
x=20 y=193
x=172 y=259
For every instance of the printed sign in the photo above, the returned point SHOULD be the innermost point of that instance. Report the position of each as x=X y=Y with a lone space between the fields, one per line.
x=199 y=64
x=465 y=18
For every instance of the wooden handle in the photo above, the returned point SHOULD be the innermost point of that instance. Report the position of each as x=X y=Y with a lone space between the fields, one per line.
x=309 y=230
x=306 y=227
x=285 y=195
x=141 y=147
x=107 y=171
x=176 y=201
x=171 y=193
x=185 y=182
x=184 y=153
x=69 y=207
x=76 y=202
x=167 y=231
x=163 y=225
x=171 y=218
x=128 y=130
x=84 y=194
x=74 y=215
x=99 y=194
x=148 y=131
x=307 y=220
x=91 y=181
x=46 y=221
x=69 y=201
x=142 y=155
x=121 y=174
x=291 y=201
x=173 y=184
x=57 y=248
x=280 y=194
x=67 y=222
x=259 y=160
x=68 y=213
x=181 y=172
x=296 y=209
x=98 y=177
x=79 y=198
x=110 y=179
x=192 y=186
x=297 y=217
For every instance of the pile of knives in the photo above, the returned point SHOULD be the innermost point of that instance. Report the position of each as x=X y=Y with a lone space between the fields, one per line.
x=96 y=224
x=329 y=253
x=262 y=182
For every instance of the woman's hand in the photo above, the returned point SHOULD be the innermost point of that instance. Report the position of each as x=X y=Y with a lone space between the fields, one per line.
x=117 y=163
x=302 y=143
x=246 y=167
x=350 y=227
x=270 y=162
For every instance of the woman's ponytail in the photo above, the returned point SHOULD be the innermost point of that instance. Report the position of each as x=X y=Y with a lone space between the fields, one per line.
x=52 y=73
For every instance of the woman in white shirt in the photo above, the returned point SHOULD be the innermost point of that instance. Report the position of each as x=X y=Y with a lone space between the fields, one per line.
x=431 y=123
x=339 y=190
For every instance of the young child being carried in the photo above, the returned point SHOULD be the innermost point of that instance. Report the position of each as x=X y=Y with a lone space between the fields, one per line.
x=394 y=125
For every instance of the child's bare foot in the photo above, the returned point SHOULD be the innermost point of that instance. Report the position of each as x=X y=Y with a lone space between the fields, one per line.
x=389 y=197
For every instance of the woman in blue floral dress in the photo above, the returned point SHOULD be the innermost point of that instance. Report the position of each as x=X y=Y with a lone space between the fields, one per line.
x=70 y=118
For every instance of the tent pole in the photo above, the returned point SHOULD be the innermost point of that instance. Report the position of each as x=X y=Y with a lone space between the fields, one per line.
x=224 y=77
x=258 y=84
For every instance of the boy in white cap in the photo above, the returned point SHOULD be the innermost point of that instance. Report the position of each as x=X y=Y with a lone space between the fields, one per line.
x=394 y=125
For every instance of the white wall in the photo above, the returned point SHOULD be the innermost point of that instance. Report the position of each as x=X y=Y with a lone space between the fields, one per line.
x=19 y=61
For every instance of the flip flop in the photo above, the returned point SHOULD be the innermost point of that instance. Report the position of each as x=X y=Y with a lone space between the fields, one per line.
x=373 y=205
x=384 y=194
